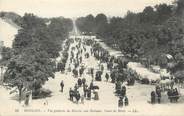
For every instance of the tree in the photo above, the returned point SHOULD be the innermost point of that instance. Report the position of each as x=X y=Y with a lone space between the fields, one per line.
x=101 y=24
x=22 y=40
x=180 y=7
x=100 y=19
x=30 y=21
x=164 y=12
x=48 y=38
x=148 y=15
x=34 y=46
x=150 y=33
x=6 y=53
x=29 y=68
x=86 y=24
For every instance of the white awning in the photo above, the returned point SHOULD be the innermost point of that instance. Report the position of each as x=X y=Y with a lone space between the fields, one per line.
x=169 y=56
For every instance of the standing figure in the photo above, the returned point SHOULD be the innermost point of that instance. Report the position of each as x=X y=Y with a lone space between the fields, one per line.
x=96 y=96
x=113 y=77
x=89 y=94
x=120 y=102
x=71 y=94
x=80 y=59
x=27 y=99
x=118 y=87
x=83 y=81
x=20 y=87
x=107 y=76
x=80 y=72
x=84 y=48
x=176 y=95
x=79 y=82
x=91 y=50
x=76 y=87
x=169 y=93
x=153 y=96
x=62 y=85
x=69 y=68
x=92 y=72
x=91 y=85
x=85 y=89
x=158 y=92
x=77 y=96
x=123 y=91
x=75 y=72
x=126 y=101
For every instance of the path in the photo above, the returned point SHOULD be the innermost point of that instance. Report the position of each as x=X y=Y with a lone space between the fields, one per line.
x=138 y=97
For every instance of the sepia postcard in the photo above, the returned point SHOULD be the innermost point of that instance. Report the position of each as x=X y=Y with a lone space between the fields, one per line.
x=92 y=57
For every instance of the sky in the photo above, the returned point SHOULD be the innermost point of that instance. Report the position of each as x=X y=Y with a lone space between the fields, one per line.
x=77 y=8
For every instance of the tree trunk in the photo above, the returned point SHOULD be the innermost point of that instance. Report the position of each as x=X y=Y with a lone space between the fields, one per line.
x=20 y=95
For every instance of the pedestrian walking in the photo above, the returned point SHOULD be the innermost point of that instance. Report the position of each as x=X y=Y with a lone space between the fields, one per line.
x=85 y=89
x=153 y=96
x=62 y=85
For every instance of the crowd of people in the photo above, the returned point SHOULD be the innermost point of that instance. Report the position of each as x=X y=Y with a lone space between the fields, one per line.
x=116 y=72
x=109 y=69
x=81 y=90
x=173 y=95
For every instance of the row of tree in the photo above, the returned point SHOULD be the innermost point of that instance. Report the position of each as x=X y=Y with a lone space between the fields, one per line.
x=149 y=34
x=30 y=61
